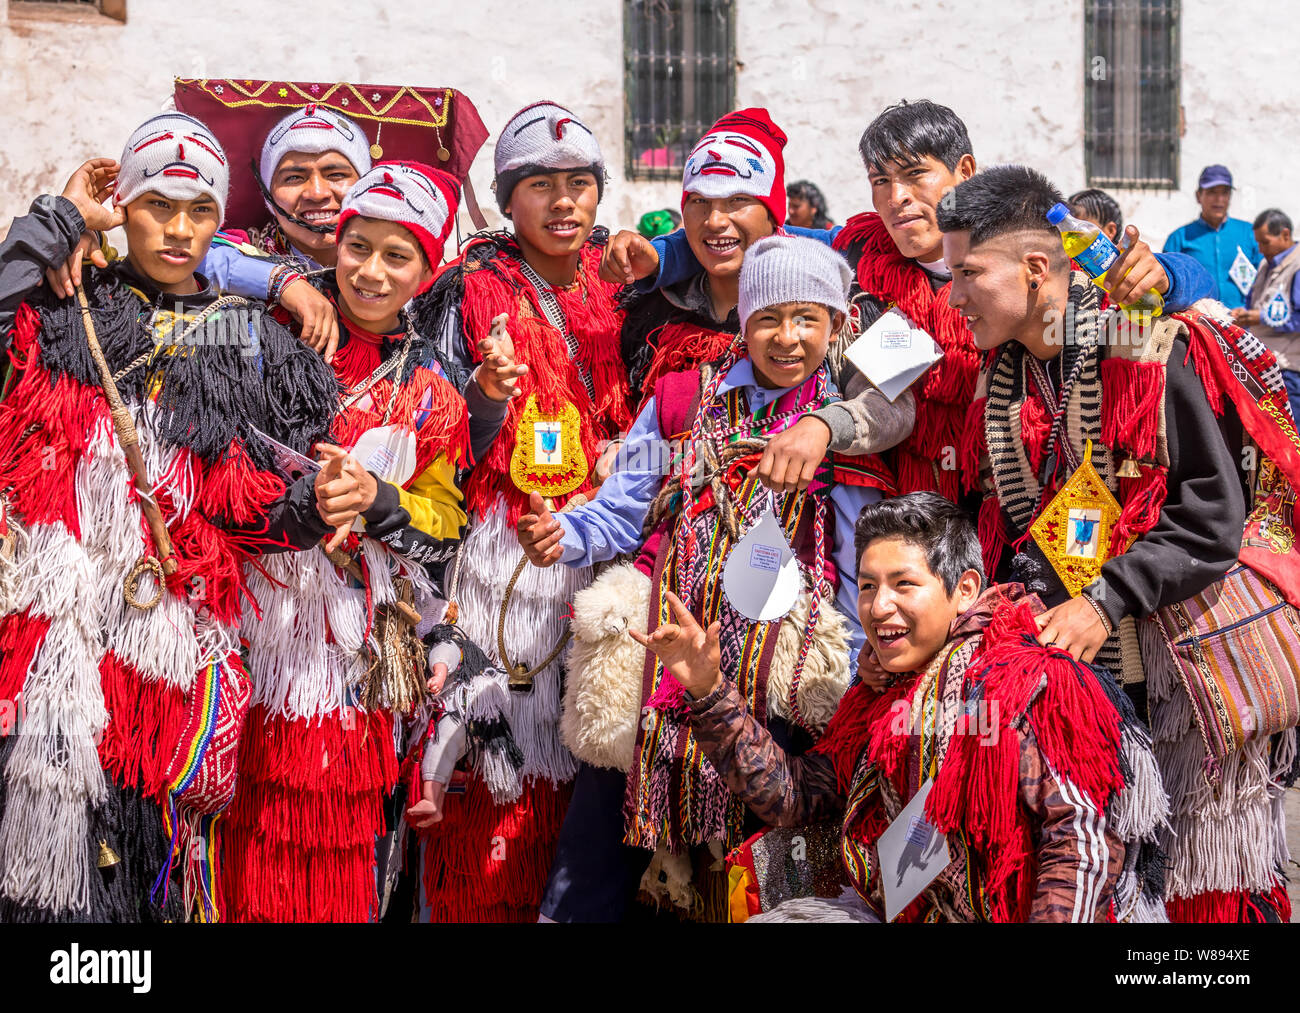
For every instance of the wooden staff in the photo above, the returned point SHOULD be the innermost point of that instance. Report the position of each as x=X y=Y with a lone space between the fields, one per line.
x=129 y=440
x=345 y=562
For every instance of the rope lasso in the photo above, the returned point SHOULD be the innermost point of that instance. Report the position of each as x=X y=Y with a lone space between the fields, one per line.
x=164 y=563
x=519 y=674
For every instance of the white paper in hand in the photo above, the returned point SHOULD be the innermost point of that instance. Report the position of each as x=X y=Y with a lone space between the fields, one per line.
x=388 y=451
x=912 y=852
x=893 y=353
x=761 y=576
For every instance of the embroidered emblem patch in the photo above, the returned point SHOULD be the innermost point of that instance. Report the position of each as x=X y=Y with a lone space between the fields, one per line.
x=1074 y=530
x=548 y=455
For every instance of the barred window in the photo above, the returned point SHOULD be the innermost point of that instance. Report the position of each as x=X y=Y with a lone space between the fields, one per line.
x=679 y=76
x=1132 y=64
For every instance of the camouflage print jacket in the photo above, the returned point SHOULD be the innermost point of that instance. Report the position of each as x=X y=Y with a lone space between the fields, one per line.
x=1078 y=854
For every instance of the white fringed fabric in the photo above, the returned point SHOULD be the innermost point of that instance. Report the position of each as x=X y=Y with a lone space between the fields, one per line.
x=539 y=609
x=53 y=773
x=309 y=653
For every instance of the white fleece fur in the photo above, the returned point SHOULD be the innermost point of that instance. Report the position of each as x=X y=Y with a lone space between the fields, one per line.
x=602 y=697
x=826 y=669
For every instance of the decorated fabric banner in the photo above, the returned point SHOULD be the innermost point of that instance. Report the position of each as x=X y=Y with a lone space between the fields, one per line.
x=437 y=126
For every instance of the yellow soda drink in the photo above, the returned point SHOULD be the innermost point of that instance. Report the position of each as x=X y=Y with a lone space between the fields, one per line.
x=1093 y=251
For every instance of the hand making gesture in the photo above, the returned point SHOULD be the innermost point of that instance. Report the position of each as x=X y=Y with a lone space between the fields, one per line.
x=344 y=489
x=689 y=654
x=498 y=374
x=539 y=533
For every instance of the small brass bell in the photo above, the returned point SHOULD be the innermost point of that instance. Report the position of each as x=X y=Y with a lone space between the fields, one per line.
x=519 y=676
x=107 y=856
x=1129 y=469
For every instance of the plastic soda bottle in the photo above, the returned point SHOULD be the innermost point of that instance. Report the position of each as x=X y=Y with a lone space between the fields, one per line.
x=1093 y=251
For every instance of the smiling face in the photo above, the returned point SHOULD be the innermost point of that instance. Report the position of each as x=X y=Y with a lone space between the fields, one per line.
x=1214 y=204
x=905 y=610
x=168 y=238
x=312 y=187
x=380 y=269
x=720 y=229
x=553 y=213
x=906 y=194
x=787 y=342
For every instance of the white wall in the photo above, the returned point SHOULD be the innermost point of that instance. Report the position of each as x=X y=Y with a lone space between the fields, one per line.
x=824 y=68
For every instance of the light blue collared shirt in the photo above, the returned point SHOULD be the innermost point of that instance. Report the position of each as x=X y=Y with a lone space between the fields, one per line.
x=611 y=523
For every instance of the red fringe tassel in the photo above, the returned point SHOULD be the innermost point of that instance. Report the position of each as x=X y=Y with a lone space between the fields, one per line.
x=489 y=863
x=1075 y=726
x=299 y=837
x=945 y=393
x=20 y=636
x=1144 y=498
x=234 y=489
x=681 y=347
x=1236 y=907
x=1132 y=393
x=594 y=321
x=146 y=718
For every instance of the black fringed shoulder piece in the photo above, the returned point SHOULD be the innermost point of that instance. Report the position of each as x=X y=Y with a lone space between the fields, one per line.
x=120 y=318
x=301 y=389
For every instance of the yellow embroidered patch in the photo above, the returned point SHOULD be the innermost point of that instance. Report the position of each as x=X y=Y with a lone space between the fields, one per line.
x=548 y=455
x=1074 y=530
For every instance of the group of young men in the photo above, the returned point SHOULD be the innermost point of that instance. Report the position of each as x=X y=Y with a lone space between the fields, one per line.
x=549 y=582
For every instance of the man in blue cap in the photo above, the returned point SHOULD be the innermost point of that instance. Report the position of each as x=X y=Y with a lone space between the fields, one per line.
x=1225 y=246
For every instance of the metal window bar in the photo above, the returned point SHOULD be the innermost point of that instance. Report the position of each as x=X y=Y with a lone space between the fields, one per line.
x=679 y=76
x=1132 y=65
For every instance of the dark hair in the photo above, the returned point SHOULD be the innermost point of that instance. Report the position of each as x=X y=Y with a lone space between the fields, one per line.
x=1005 y=198
x=1097 y=205
x=937 y=525
x=804 y=189
x=1274 y=220
x=909 y=131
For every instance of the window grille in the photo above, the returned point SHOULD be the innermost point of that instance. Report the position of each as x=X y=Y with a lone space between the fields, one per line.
x=1131 y=112
x=679 y=77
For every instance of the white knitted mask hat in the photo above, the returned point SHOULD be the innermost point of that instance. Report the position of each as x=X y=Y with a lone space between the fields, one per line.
x=414 y=195
x=784 y=269
x=544 y=137
x=314 y=130
x=177 y=156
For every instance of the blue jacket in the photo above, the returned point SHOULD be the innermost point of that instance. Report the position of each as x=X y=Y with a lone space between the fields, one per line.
x=1188 y=280
x=1215 y=250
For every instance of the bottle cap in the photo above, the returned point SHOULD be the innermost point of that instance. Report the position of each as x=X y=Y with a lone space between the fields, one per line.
x=1058 y=213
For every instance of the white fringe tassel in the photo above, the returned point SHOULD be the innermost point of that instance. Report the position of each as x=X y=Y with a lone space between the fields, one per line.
x=535 y=622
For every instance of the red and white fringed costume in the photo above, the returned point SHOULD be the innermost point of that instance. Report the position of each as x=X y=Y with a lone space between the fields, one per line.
x=944 y=395
x=1025 y=748
x=108 y=691
x=316 y=764
x=488 y=860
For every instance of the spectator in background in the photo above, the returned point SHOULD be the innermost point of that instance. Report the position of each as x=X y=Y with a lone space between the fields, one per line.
x=805 y=206
x=1225 y=246
x=1100 y=208
x=1274 y=304
x=658 y=223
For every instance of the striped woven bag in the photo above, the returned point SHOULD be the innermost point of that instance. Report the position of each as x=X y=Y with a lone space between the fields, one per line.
x=1237 y=649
